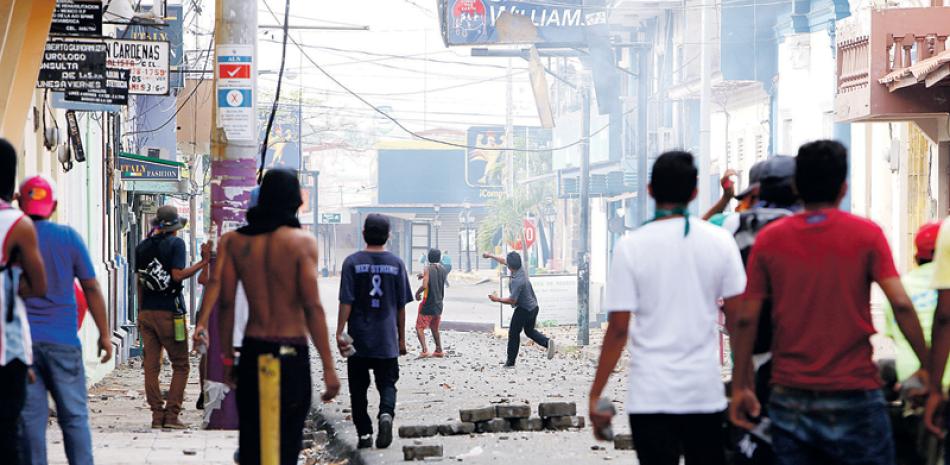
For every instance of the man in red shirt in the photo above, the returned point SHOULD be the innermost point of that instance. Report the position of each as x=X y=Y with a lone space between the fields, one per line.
x=817 y=266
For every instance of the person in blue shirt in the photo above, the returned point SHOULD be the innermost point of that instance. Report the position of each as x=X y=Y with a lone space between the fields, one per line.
x=374 y=291
x=57 y=354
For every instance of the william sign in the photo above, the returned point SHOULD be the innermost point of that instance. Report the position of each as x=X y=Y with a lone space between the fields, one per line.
x=482 y=22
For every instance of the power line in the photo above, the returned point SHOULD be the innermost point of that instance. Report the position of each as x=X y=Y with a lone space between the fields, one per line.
x=280 y=80
x=420 y=136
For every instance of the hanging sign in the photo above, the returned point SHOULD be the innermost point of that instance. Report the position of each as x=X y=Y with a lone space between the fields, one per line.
x=77 y=17
x=146 y=61
x=115 y=92
x=137 y=167
x=75 y=140
x=235 y=92
x=73 y=65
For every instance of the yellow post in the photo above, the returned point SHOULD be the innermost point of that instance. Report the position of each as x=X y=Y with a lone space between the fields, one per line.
x=268 y=382
x=24 y=27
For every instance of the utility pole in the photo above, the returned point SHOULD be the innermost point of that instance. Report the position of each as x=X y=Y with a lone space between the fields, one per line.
x=643 y=88
x=583 y=252
x=705 y=103
x=509 y=134
x=234 y=150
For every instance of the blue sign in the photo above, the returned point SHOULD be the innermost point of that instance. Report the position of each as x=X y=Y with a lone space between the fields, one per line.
x=473 y=22
x=234 y=98
x=283 y=144
x=485 y=163
x=171 y=33
x=425 y=176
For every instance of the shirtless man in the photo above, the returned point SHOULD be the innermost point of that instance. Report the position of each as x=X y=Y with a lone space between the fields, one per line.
x=277 y=264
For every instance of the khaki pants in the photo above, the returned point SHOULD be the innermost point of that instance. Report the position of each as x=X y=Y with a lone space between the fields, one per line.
x=157 y=330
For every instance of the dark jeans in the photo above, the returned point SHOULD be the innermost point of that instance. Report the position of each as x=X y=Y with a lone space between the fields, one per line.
x=386 y=373
x=661 y=438
x=523 y=320
x=293 y=397
x=840 y=427
x=12 y=397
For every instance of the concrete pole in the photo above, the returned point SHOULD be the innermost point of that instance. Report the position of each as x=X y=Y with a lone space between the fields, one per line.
x=583 y=252
x=233 y=163
x=509 y=134
x=707 y=34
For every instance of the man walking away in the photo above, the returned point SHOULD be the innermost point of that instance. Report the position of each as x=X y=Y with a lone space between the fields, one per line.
x=276 y=262
x=670 y=275
x=919 y=285
x=430 y=310
x=817 y=267
x=525 y=316
x=374 y=291
x=57 y=352
x=161 y=267
x=21 y=275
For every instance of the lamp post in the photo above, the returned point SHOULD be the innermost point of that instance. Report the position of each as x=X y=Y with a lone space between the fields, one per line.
x=465 y=219
x=550 y=216
x=436 y=223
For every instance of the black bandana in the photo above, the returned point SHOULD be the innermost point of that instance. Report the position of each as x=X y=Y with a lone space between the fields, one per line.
x=277 y=204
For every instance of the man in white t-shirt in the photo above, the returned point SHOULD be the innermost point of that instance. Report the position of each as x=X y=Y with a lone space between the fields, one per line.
x=670 y=275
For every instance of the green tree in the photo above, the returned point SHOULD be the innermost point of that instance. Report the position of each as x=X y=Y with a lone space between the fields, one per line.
x=508 y=212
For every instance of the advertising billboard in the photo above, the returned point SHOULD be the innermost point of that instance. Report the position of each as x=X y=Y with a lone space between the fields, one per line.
x=482 y=22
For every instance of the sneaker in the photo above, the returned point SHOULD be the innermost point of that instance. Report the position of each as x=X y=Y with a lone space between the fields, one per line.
x=385 y=437
x=365 y=442
x=174 y=423
x=551 y=349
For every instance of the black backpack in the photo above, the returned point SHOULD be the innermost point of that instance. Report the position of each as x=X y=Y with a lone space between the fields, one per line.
x=154 y=273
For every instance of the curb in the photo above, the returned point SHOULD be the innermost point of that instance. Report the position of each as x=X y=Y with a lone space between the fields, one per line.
x=336 y=446
x=467 y=327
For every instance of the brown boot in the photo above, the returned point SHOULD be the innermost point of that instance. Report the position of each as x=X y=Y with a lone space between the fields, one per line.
x=158 y=419
x=172 y=422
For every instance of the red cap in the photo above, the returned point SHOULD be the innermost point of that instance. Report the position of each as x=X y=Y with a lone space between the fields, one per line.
x=36 y=197
x=926 y=240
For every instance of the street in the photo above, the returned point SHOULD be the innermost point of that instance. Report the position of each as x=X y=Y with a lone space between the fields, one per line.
x=753 y=192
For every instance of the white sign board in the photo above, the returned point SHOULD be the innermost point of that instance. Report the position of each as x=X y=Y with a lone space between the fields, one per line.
x=146 y=60
x=235 y=92
x=557 y=299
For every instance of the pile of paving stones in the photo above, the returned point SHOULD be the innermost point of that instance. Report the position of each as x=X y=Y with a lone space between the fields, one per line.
x=504 y=418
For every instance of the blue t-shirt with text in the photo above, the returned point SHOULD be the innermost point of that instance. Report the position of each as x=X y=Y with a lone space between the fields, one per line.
x=376 y=285
x=53 y=317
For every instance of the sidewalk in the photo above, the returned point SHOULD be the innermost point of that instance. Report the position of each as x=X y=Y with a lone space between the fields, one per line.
x=431 y=391
x=121 y=432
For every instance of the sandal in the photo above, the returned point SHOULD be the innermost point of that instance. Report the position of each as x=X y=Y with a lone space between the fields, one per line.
x=425 y=355
x=438 y=354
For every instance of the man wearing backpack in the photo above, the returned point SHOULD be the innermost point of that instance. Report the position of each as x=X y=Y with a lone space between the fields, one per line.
x=776 y=199
x=161 y=266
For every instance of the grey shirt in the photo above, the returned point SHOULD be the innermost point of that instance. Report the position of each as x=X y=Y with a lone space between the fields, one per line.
x=519 y=289
x=433 y=300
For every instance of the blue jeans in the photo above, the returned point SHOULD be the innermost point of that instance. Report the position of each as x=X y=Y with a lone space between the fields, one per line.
x=59 y=371
x=847 y=427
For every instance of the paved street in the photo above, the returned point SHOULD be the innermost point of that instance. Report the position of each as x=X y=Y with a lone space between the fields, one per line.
x=432 y=391
x=120 y=426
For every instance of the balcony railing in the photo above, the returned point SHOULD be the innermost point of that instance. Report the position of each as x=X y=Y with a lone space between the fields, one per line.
x=882 y=51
